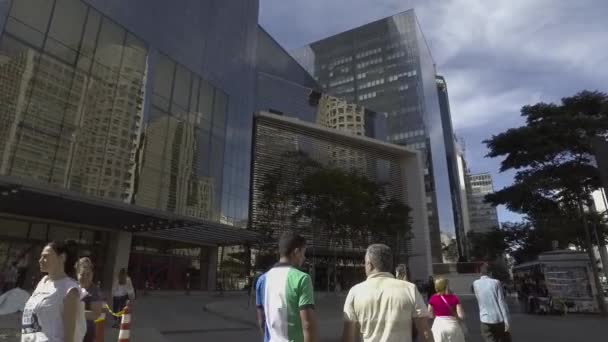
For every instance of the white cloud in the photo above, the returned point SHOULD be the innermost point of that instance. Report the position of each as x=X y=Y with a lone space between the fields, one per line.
x=569 y=32
x=472 y=105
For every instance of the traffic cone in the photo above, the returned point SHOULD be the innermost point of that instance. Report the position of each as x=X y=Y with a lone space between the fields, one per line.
x=124 y=335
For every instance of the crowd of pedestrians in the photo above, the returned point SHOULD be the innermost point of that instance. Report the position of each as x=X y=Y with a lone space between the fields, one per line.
x=382 y=308
x=66 y=302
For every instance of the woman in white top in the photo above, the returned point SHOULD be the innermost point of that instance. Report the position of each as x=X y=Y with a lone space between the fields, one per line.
x=54 y=312
x=122 y=292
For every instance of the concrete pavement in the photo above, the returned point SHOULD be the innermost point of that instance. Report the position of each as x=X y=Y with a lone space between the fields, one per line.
x=524 y=327
x=175 y=317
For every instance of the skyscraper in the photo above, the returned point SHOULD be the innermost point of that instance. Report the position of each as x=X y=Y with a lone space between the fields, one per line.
x=483 y=215
x=452 y=155
x=387 y=66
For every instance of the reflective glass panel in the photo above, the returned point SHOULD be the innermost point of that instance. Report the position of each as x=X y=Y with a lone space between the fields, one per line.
x=68 y=21
x=33 y=13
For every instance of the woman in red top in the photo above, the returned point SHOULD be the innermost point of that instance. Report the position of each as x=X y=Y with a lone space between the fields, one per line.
x=448 y=313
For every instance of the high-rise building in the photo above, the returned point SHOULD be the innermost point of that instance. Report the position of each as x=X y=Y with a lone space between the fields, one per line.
x=452 y=155
x=483 y=216
x=387 y=66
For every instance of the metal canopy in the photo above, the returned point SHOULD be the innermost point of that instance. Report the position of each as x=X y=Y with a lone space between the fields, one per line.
x=208 y=234
x=19 y=197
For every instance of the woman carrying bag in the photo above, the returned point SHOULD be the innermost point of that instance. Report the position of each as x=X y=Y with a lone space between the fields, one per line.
x=122 y=292
x=449 y=315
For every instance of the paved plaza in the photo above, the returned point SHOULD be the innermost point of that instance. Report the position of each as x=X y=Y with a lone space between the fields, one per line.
x=207 y=317
x=174 y=317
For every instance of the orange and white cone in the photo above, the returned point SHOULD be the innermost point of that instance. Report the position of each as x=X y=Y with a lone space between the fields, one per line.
x=124 y=335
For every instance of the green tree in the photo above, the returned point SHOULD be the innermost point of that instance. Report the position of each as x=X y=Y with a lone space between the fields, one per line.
x=276 y=203
x=348 y=207
x=393 y=227
x=553 y=157
x=488 y=246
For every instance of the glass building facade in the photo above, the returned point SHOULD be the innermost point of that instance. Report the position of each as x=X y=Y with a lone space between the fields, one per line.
x=387 y=66
x=140 y=103
x=93 y=107
x=455 y=174
x=284 y=87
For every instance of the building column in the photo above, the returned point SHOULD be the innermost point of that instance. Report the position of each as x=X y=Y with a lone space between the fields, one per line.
x=212 y=269
x=117 y=257
x=420 y=260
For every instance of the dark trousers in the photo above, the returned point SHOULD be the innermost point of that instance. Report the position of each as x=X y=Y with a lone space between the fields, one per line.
x=494 y=332
x=119 y=303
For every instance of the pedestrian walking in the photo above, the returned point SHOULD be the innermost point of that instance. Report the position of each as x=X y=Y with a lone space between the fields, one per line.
x=401 y=272
x=122 y=292
x=54 y=312
x=90 y=296
x=493 y=310
x=284 y=296
x=383 y=308
x=449 y=315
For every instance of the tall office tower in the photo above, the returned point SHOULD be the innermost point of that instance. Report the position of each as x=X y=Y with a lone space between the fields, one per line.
x=483 y=215
x=387 y=66
x=452 y=155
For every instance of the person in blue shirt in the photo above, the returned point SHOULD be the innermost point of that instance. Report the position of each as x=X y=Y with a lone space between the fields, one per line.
x=493 y=310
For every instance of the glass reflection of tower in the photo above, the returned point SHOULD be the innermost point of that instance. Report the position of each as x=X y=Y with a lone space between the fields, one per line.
x=182 y=190
x=40 y=110
x=106 y=158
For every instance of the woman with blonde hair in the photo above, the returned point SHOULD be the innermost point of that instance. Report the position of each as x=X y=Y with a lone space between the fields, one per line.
x=449 y=315
x=90 y=296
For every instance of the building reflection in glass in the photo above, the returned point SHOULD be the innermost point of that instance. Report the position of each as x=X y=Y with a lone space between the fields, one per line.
x=72 y=94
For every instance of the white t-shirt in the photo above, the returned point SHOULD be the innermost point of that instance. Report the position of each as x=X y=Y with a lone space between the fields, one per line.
x=43 y=313
x=384 y=307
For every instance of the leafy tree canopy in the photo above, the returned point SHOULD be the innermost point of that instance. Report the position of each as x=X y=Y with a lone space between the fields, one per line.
x=553 y=157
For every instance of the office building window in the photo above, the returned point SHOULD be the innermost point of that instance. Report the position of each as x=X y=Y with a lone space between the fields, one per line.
x=367 y=96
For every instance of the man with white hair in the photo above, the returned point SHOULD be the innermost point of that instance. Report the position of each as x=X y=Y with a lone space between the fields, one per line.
x=383 y=308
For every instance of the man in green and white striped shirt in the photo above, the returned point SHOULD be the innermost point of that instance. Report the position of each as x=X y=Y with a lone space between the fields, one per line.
x=284 y=296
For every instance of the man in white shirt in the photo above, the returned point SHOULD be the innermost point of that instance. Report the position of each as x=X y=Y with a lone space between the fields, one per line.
x=493 y=309
x=382 y=308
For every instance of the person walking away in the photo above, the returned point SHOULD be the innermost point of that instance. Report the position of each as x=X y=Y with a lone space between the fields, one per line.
x=493 y=309
x=54 y=312
x=122 y=292
x=449 y=315
x=10 y=277
x=382 y=308
x=401 y=272
x=90 y=295
x=284 y=296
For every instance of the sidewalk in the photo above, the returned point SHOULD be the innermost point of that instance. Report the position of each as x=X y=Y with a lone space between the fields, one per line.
x=159 y=317
x=239 y=309
x=525 y=327
x=166 y=317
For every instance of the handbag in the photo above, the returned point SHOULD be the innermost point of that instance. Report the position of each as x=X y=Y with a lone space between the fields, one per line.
x=455 y=315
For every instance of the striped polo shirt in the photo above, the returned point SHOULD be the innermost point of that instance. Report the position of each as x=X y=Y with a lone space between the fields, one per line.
x=282 y=292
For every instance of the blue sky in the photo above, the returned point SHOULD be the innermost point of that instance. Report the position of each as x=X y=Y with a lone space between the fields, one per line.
x=496 y=55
